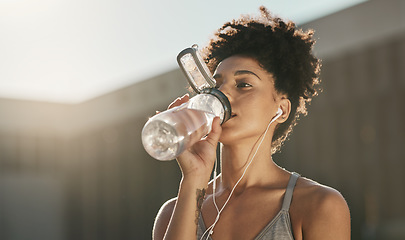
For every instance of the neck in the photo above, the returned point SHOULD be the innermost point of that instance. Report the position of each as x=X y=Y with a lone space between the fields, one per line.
x=236 y=158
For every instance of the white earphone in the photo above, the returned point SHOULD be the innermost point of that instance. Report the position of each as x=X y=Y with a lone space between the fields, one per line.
x=210 y=230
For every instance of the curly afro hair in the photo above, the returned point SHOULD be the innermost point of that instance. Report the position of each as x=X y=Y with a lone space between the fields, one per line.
x=282 y=50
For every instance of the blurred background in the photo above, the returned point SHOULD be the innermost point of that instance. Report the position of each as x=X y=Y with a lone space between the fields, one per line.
x=79 y=79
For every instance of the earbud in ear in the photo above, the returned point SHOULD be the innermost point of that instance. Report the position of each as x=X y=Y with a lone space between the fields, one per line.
x=278 y=114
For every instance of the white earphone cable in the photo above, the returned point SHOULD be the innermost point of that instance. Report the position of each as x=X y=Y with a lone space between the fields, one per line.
x=210 y=230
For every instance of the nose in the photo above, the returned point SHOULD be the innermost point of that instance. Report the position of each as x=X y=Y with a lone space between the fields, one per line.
x=225 y=89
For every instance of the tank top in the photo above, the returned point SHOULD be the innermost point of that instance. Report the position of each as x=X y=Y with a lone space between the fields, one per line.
x=279 y=227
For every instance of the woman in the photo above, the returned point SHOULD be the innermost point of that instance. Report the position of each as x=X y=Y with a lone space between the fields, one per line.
x=266 y=68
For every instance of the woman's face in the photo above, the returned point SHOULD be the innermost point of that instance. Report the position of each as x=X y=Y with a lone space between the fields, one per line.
x=250 y=90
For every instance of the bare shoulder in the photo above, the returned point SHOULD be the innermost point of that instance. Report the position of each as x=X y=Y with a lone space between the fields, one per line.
x=163 y=218
x=316 y=195
x=321 y=211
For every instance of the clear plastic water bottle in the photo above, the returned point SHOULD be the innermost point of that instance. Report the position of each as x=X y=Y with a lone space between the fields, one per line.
x=167 y=134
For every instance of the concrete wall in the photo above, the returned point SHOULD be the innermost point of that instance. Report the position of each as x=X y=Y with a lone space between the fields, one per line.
x=80 y=171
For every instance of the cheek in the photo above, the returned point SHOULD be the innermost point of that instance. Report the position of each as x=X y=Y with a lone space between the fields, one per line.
x=261 y=111
x=257 y=105
x=256 y=116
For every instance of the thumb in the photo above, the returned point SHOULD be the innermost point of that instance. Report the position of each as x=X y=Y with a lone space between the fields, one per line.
x=213 y=136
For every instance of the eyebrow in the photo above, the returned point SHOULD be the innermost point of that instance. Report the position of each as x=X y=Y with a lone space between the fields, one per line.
x=239 y=72
x=242 y=72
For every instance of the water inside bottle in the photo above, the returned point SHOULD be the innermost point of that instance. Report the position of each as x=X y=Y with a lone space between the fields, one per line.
x=165 y=138
x=160 y=140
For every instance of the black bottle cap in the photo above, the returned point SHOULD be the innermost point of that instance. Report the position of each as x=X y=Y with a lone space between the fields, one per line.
x=223 y=99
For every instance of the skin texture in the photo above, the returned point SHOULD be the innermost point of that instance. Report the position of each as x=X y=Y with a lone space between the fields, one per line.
x=317 y=211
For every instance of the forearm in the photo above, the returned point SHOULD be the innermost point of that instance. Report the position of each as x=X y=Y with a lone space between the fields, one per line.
x=183 y=223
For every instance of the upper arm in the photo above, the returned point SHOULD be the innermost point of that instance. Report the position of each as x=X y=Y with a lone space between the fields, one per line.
x=329 y=218
x=162 y=219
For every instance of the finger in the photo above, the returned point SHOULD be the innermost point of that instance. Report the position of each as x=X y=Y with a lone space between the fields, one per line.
x=179 y=101
x=213 y=136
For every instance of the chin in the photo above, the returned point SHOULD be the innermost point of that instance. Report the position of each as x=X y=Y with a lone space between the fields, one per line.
x=226 y=138
x=230 y=137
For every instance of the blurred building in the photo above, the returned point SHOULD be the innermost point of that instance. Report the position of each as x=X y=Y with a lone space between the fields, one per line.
x=80 y=171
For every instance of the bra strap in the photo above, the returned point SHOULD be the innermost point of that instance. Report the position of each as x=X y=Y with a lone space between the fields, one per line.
x=289 y=191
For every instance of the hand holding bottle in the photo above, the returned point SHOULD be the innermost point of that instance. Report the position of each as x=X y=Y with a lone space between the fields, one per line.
x=198 y=160
x=166 y=135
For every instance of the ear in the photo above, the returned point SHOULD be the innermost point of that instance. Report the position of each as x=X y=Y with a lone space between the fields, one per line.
x=285 y=106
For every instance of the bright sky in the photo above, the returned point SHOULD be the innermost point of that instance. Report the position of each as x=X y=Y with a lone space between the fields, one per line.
x=69 y=51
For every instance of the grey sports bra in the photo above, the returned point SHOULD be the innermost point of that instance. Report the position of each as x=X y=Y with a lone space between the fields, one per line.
x=279 y=227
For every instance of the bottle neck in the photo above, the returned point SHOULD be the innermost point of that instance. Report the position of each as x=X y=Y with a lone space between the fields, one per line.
x=223 y=100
